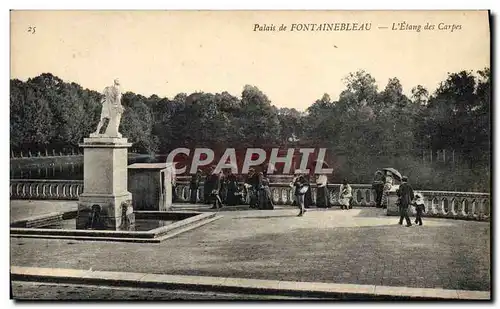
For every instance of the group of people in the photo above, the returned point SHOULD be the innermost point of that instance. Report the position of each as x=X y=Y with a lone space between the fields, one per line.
x=382 y=184
x=303 y=195
x=223 y=189
x=407 y=198
x=219 y=188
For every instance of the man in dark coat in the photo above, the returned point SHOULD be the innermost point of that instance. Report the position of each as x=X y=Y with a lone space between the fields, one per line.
x=253 y=181
x=405 y=194
x=207 y=187
x=194 y=184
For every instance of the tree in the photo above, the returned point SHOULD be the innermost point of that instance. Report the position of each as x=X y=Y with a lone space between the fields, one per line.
x=420 y=95
x=31 y=116
x=258 y=120
x=137 y=123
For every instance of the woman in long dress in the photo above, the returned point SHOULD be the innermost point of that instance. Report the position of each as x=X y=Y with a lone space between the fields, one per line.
x=233 y=194
x=387 y=187
x=345 y=195
x=265 y=200
x=308 y=200
x=322 y=200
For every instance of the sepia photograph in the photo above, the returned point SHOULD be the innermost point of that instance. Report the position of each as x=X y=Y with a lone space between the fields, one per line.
x=179 y=155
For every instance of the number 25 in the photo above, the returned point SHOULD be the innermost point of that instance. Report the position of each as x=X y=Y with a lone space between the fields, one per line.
x=32 y=30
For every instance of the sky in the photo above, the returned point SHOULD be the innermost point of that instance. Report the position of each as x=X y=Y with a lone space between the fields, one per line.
x=168 y=52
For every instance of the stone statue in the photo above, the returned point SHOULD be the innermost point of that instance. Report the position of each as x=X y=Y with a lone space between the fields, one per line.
x=112 y=110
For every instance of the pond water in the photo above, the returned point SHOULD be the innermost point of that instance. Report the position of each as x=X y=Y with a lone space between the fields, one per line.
x=141 y=225
x=68 y=168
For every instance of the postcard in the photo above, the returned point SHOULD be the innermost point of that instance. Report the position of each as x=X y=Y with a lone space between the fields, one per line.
x=250 y=155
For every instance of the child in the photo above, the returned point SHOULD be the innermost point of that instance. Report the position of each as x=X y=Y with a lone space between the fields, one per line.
x=419 y=207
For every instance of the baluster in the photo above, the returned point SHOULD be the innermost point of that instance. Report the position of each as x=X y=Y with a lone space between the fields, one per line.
x=180 y=193
x=30 y=190
x=446 y=206
x=331 y=196
x=474 y=208
x=463 y=205
x=275 y=195
x=36 y=190
x=199 y=197
x=486 y=208
x=186 y=193
x=284 y=196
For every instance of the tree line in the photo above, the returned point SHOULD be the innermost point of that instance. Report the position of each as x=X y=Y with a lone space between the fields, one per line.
x=365 y=128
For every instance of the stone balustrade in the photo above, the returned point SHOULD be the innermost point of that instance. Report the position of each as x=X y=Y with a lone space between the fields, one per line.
x=44 y=189
x=442 y=204
x=449 y=204
x=283 y=194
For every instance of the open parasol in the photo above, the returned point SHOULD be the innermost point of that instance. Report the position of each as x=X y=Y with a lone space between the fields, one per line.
x=393 y=171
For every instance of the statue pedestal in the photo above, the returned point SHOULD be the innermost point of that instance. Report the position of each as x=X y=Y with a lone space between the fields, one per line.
x=105 y=202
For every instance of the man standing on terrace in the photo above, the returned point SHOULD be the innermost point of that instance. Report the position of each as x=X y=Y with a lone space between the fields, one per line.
x=405 y=194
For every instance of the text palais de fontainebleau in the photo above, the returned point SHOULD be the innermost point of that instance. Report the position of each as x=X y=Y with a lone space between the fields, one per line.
x=357 y=26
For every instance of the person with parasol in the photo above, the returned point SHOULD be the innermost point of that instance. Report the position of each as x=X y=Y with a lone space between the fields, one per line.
x=390 y=175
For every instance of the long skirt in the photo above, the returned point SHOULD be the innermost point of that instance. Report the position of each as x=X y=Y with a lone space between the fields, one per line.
x=344 y=200
x=322 y=200
x=233 y=195
x=308 y=200
x=252 y=197
x=385 y=195
x=265 y=201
